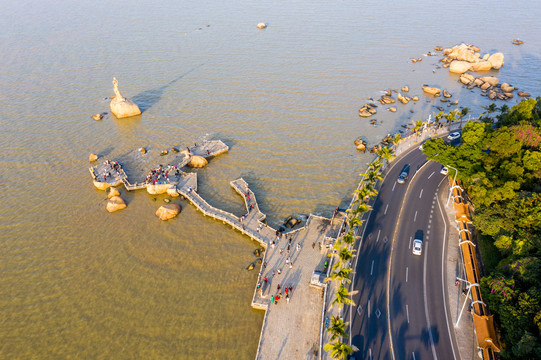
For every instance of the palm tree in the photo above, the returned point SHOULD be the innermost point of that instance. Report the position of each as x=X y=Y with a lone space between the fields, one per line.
x=340 y=275
x=342 y=297
x=338 y=350
x=355 y=222
x=386 y=154
x=365 y=191
x=417 y=125
x=348 y=239
x=463 y=113
x=343 y=253
x=337 y=328
x=396 y=140
x=439 y=116
x=372 y=176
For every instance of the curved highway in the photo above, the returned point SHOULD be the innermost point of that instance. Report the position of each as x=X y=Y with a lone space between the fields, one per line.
x=389 y=276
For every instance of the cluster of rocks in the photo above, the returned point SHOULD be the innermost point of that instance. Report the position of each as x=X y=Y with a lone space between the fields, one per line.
x=517 y=42
x=463 y=58
x=115 y=202
x=490 y=87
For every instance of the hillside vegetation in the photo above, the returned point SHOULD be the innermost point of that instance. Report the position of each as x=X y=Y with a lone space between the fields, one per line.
x=499 y=163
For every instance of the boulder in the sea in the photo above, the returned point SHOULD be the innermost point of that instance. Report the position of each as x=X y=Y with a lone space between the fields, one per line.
x=168 y=211
x=115 y=203
x=164 y=152
x=415 y=98
x=506 y=88
x=143 y=151
x=438 y=48
x=174 y=149
x=460 y=67
x=517 y=42
x=405 y=89
x=250 y=267
x=261 y=25
x=508 y=95
x=360 y=144
x=454 y=102
x=478 y=82
x=446 y=94
x=392 y=109
x=403 y=99
x=496 y=60
x=523 y=94
x=431 y=90
x=492 y=80
x=463 y=52
x=112 y=192
x=482 y=66
x=367 y=111
x=120 y=106
x=197 y=161
x=97 y=117
x=92 y=157
x=485 y=86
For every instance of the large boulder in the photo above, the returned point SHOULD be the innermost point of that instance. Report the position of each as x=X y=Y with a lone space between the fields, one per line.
x=92 y=157
x=506 y=88
x=459 y=67
x=115 y=203
x=463 y=52
x=367 y=110
x=386 y=99
x=168 y=211
x=496 y=60
x=431 y=90
x=482 y=66
x=156 y=189
x=197 y=162
x=112 y=192
x=120 y=106
x=492 y=80
x=403 y=99
x=261 y=25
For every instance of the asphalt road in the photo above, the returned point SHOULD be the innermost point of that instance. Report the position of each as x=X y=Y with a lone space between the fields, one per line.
x=417 y=294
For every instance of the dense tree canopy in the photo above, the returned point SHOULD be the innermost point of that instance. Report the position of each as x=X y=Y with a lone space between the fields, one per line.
x=499 y=163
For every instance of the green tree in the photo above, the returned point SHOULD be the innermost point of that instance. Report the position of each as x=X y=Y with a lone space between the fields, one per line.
x=338 y=350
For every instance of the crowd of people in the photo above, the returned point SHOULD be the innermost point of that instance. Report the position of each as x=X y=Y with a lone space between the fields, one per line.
x=110 y=168
x=161 y=175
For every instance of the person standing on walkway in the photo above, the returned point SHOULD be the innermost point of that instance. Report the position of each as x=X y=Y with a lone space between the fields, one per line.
x=298 y=247
x=287 y=297
x=272 y=299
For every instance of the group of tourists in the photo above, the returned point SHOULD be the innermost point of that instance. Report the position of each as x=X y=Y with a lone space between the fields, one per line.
x=161 y=175
x=109 y=170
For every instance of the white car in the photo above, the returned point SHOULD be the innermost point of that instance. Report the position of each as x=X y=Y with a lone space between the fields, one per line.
x=417 y=247
x=444 y=170
x=421 y=147
x=453 y=136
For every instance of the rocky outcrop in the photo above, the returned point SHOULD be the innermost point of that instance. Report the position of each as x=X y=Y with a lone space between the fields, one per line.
x=496 y=60
x=360 y=144
x=156 y=189
x=112 y=192
x=385 y=99
x=92 y=157
x=115 y=203
x=463 y=52
x=168 y=211
x=367 y=110
x=122 y=107
x=431 y=90
x=460 y=67
x=403 y=99
x=481 y=66
x=197 y=162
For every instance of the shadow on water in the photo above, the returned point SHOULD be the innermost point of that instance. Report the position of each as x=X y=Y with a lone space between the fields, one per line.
x=149 y=98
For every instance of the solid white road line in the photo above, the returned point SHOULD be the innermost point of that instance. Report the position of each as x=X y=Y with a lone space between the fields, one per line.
x=413 y=355
x=407 y=314
x=421 y=194
x=370 y=353
x=409 y=246
x=426 y=307
x=369 y=309
x=407 y=273
x=393 y=186
x=445 y=239
x=372 y=268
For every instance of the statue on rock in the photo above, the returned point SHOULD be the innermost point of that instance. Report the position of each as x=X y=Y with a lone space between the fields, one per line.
x=122 y=107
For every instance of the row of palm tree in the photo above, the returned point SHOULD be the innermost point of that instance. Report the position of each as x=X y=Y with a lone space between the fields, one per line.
x=344 y=252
